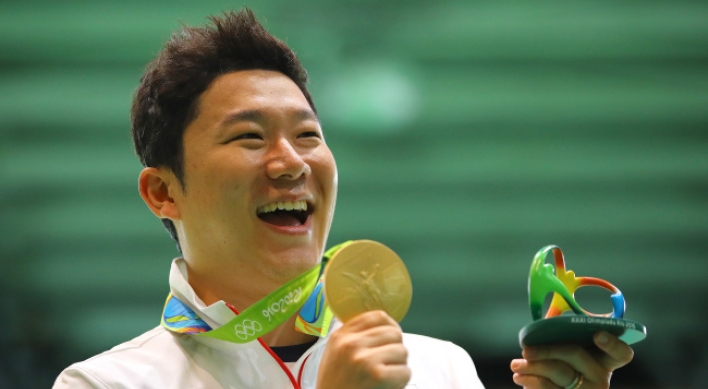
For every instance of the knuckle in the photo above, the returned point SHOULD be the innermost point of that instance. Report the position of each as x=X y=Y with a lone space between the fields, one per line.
x=606 y=383
x=401 y=351
x=630 y=354
x=390 y=337
x=404 y=377
x=359 y=360
x=404 y=353
x=408 y=373
x=379 y=316
x=340 y=342
x=348 y=344
x=397 y=336
x=336 y=336
x=378 y=373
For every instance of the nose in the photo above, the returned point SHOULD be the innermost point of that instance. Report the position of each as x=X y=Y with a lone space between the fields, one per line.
x=284 y=162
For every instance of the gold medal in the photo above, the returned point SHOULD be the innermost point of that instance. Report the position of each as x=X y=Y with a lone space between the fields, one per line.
x=366 y=276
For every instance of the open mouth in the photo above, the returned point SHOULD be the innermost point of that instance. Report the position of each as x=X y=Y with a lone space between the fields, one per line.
x=285 y=213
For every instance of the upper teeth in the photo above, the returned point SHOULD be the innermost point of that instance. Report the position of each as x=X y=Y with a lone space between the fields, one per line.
x=300 y=205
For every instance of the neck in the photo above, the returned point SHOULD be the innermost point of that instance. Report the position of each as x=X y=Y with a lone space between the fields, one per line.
x=286 y=335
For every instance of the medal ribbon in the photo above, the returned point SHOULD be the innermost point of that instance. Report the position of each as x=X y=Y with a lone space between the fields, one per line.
x=266 y=314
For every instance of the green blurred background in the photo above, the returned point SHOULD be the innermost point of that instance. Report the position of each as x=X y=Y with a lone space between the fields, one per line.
x=468 y=135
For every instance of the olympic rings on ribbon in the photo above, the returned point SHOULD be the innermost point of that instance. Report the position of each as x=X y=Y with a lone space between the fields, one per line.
x=247 y=329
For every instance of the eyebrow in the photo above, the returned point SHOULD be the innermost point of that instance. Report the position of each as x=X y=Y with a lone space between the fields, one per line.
x=256 y=115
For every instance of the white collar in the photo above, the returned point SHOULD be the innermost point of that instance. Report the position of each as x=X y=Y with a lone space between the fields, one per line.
x=216 y=314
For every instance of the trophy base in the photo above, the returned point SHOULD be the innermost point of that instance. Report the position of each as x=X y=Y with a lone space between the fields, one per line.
x=579 y=329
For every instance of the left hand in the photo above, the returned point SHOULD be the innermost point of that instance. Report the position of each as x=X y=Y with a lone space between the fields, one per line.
x=556 y=366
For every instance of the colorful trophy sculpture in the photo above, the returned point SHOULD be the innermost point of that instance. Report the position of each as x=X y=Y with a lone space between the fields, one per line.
x=565 y=320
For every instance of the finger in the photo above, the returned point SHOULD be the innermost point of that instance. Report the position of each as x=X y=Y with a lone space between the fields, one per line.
x=534 y=382
x=370 y=319
x=557 y=372
x=578 y=358
x=395 y=376
x=390 y=354
x=379 y=336
x=615 y=353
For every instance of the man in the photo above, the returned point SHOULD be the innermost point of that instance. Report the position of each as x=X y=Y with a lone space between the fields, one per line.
x=237 y=168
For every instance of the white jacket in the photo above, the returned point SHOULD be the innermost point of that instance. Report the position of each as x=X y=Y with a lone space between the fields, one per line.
x=160 y=359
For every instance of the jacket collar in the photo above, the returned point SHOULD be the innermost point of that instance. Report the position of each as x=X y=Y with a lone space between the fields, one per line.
x=216 y=314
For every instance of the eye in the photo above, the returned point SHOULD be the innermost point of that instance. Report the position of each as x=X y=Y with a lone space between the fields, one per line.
x=248 y=135
x=245 y=136
x=248 y=139
x=309 y=134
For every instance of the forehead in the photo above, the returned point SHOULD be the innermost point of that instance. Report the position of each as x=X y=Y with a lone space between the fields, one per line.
x=251 y=89
x=263 y=94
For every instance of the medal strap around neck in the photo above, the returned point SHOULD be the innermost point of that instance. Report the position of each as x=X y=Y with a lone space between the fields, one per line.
x=315 y=316
x=266 y=314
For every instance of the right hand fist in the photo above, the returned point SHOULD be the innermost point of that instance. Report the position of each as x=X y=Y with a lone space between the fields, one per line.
x=367 y=352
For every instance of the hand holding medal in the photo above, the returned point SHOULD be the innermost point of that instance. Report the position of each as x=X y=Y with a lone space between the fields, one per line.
x=367 y=287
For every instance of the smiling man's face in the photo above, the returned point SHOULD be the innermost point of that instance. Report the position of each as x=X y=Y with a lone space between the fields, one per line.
x=260 y=181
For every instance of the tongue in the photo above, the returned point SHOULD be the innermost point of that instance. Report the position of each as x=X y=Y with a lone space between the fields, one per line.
x=280 y=218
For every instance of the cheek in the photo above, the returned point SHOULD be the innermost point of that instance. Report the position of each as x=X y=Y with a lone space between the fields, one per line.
x=326 y=169
x=328 y=180
x=210 y=185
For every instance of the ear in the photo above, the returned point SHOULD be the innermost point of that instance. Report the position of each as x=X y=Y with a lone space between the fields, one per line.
x=156 y=186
